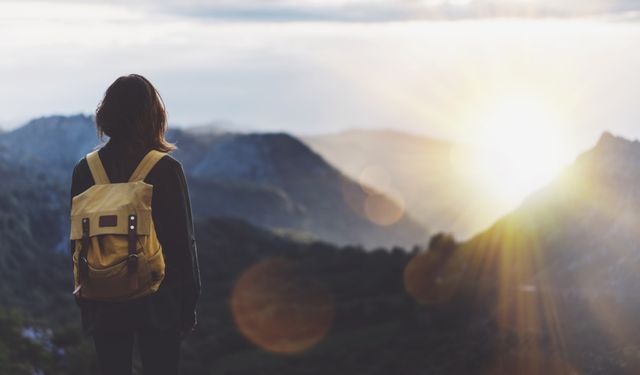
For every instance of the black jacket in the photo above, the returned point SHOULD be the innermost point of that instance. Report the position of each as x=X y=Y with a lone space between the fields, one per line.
x=173 y=306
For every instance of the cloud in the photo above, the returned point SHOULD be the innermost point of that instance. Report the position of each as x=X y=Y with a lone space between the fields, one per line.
x=372 y=10
x=314 y=76
x=393 y=10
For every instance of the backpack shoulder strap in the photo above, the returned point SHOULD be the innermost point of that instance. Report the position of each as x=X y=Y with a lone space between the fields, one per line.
x=143 y=169
x=97 y=169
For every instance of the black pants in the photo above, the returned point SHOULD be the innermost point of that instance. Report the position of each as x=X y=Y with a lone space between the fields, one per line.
x=114 y=340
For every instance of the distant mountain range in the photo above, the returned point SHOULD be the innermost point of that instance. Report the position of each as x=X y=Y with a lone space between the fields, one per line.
x=269 y=179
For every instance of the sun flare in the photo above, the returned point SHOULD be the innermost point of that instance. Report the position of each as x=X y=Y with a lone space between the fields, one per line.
x=520 y=146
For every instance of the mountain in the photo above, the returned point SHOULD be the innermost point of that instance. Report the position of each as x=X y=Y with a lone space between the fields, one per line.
x=32 y=213
x=50 y=144
x=561 y=271
x=431 y=175
x=582 y=230
x=311 y=195
x=269 y=179
x=548 y=289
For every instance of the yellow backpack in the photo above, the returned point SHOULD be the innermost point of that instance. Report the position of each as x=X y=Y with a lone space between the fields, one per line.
x=117 y=255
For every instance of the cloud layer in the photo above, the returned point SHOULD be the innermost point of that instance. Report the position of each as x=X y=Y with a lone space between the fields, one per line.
x=374 y=10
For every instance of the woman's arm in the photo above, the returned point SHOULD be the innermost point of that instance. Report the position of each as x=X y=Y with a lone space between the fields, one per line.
x=174 y=224
x=192 y=269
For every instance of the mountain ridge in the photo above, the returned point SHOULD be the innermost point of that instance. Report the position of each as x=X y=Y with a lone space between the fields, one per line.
x=288 y=184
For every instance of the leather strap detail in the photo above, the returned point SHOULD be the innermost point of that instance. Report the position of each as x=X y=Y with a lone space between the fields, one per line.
x=97 y=169
x=83 y=263
x=145 y=166
x=132 y=261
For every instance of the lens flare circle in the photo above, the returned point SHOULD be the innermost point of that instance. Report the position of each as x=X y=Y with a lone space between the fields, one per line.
x=384 y=209
x=279 y=309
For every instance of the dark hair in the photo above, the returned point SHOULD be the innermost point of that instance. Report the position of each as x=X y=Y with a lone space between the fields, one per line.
x=132 y=111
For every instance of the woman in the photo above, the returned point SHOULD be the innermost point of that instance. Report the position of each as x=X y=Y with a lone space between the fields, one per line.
x=133 y=116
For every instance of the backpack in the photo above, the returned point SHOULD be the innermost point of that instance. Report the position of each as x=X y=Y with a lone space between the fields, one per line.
x=117 y=255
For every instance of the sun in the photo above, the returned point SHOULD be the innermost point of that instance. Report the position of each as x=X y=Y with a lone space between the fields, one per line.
x=520 y=146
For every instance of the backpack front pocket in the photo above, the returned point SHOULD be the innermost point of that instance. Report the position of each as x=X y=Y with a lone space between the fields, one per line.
x=111 y=282
x=109 y=277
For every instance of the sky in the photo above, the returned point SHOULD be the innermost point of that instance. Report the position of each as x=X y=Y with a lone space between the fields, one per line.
x=432 y=67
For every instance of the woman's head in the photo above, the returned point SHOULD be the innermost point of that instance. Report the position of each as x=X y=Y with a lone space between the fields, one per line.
x=132 y=111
